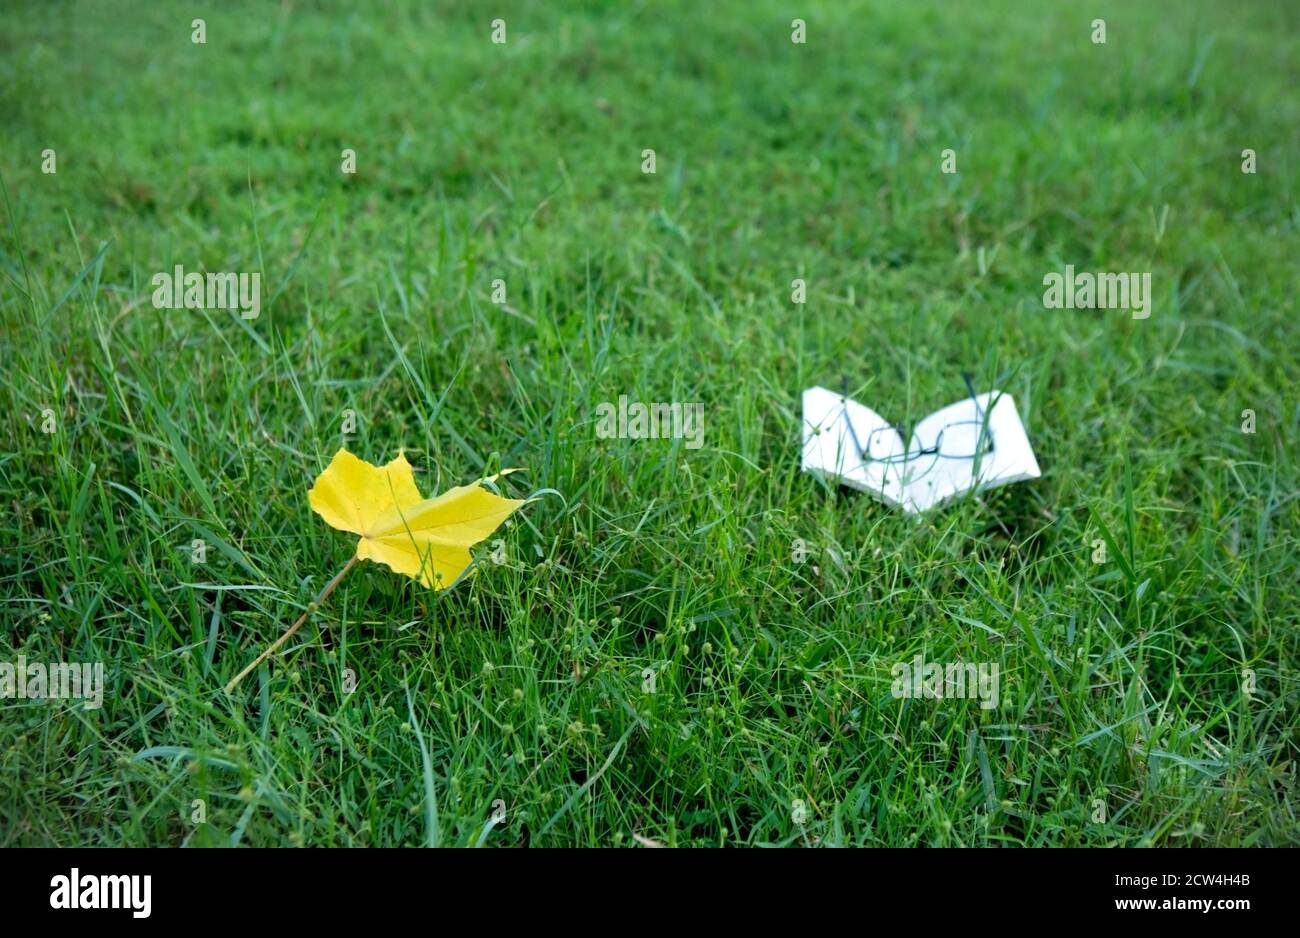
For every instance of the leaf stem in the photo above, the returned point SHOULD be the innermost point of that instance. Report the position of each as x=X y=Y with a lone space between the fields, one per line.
x=311 y=607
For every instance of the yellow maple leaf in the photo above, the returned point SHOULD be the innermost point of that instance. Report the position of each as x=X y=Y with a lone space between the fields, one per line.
x=424 y=538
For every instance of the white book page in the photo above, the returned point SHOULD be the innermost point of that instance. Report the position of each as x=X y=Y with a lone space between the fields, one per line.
x=962 y=463
x=830 y=425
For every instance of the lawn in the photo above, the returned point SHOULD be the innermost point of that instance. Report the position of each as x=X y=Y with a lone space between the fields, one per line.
x=683 y=646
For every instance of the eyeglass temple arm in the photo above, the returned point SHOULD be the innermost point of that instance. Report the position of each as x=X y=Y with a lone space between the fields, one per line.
x=844 y=405
x=970 y=386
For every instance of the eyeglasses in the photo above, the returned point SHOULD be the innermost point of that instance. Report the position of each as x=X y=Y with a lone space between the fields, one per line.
x=961 y=439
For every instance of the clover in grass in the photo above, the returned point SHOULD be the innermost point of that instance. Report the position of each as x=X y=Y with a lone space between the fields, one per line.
x=427 y=539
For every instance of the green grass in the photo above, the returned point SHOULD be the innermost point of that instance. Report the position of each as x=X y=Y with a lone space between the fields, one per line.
x=1122 y=681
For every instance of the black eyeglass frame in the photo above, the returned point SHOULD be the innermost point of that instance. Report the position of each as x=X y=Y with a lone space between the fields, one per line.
x=984 y=441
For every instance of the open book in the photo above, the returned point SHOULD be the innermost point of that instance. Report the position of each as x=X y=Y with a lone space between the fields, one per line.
x=977 y=443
